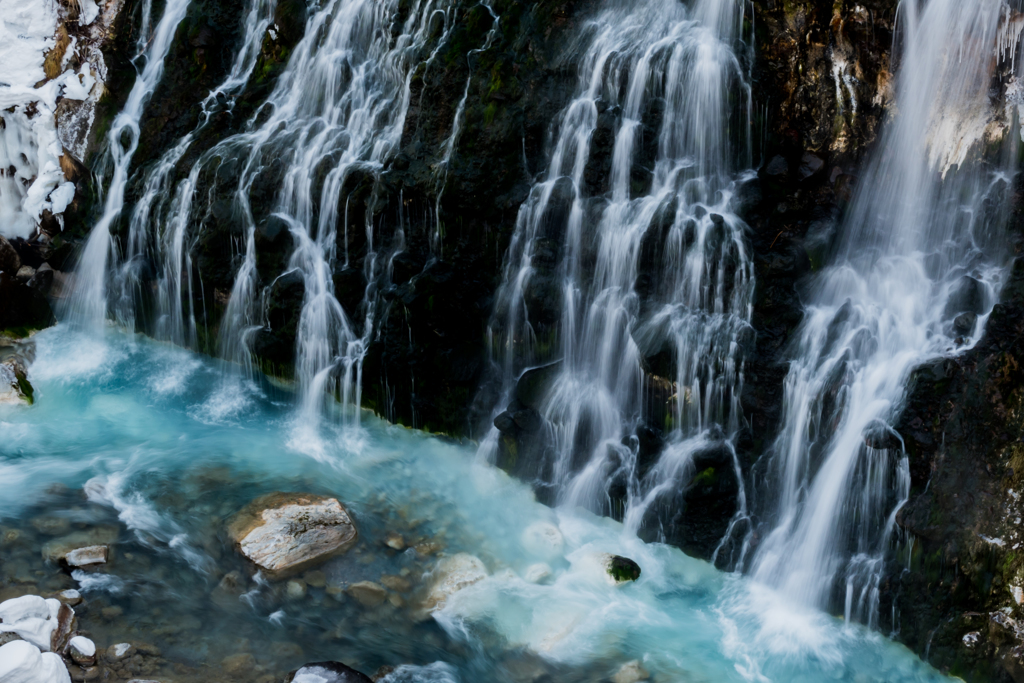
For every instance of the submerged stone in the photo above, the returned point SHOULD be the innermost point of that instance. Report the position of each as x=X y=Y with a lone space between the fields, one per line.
x=631 y=672
x=286 y=533
x=368 y=593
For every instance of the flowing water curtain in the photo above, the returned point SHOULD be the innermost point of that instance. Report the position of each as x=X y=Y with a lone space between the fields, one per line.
x=87 y=305
x=663 y=85
x=337 y=110
x=158 y=234
x=918 y=265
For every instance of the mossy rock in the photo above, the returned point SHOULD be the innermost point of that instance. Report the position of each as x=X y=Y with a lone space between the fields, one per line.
x=623 y=569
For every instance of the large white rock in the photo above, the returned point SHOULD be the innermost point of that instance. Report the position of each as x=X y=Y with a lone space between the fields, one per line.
x=20 y=662
x=452 y=575
x=285 y=533
x=32 y=618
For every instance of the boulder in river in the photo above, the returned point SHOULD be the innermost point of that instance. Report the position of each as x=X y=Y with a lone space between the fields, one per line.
x=328 y=672
x=452 y=575
x=76 y=543
x=82 y=651
x=622 y=569
x=286 y=533
x=87 y=557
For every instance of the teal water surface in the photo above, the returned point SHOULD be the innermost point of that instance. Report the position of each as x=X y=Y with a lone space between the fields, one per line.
x=163 y=445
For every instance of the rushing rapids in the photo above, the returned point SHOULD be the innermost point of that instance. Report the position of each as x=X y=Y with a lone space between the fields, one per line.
x=619 y=327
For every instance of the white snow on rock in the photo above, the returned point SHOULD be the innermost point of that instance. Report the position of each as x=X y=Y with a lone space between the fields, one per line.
x=20 y=662
x=28 y=138
x=83 y=645
x=40 y=119
x=32 y=618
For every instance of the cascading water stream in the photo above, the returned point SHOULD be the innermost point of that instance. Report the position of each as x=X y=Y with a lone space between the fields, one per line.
x=338 y=108
x=652 y=70
x=87 y=306
x=160 y=218
x=916 y=270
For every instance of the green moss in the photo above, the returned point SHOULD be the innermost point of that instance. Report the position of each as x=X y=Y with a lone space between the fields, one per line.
x=26 y=389
x=18 y=332
x=706 y=478
x=623 y=569
x=490 y=112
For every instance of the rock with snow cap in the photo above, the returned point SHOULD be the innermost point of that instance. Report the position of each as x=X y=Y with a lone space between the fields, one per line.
x=22 y=662
x=33 y=619
x=82 y=651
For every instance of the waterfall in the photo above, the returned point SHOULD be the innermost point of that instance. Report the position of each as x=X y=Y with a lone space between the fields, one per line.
x=160 y=218
x=87 y=305
x=664 y=85
x=916 y=270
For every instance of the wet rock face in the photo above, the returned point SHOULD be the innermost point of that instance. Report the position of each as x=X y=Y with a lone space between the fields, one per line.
x=963 y=427
x=285 y=533
x=824 y=69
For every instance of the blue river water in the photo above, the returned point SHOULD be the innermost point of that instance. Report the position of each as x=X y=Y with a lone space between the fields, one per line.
x=157 y=447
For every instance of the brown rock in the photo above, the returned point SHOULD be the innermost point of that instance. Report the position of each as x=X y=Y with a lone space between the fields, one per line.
x=9 y=261
x=396 y=583
x=368 y=593
x=239 y=665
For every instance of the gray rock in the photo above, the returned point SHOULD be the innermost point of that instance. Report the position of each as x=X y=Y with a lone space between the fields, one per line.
x=14 y=384
x=286 y=533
